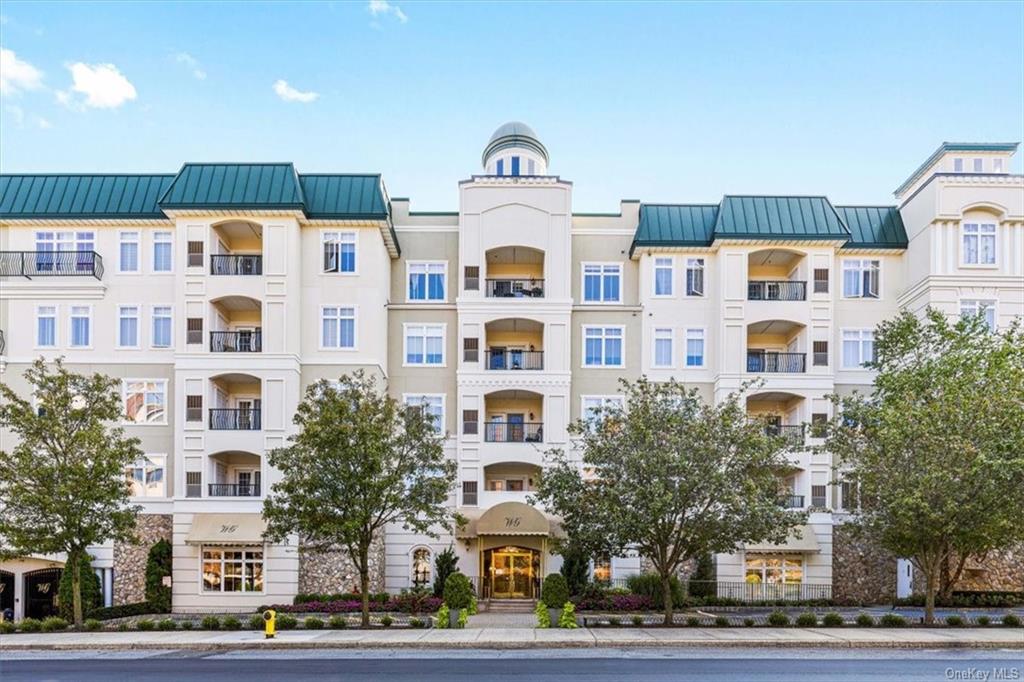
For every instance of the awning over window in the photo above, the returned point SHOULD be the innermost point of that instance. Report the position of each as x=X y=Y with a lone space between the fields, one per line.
x=801 y=539
x=507 y=518
x=227 y=529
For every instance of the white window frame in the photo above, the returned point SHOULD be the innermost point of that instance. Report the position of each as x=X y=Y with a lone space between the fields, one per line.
x=355 y=327
x=341 y=236
x=977 y=233
x=860 y=278
x=137 y=241
x=977 y=305
x=697 y=263
x=71 y=325
x=978 y=165
x=663 y=334
x=152 y=326
x=222 y=549
x=138 y=326
x=603 y=328
x=141 y=460
x=406 y=397
x=425 y=325
x=860 y=347
x=671 y=267
x=124 y=399
x=158 y=239
x=703 y=348
x=764 y=568
x=997 y=165
x=605 y=400
x=958 y=165
x=427 y=264
x=603 y=265
x=56 y=326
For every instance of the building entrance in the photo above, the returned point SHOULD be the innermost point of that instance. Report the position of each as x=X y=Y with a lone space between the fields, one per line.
x=512 y=572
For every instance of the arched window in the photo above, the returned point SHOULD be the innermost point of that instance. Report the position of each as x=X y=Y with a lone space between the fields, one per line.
x=421 y=566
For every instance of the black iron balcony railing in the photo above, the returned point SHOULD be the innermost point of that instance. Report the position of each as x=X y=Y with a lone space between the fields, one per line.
x=236 y=265
x=776 y=290
x=514 y=432
x=245 y=419
x=234 y=490
x=31 y=264
x=236 y=342
x=515 y=288
x=776 y=362
x=792 y=501
x=514 y=359
x=792 y=434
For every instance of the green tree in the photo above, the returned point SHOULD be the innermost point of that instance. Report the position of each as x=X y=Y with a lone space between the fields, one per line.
x=445 y=564
x=936 y=450
x=359 y=462
x=670 y=477
x=63 y=485
x=91 y=590
x=701 y=583
x=158 y=567
x=575 y=568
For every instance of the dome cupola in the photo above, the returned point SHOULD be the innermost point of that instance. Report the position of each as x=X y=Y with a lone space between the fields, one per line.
x=514 y=149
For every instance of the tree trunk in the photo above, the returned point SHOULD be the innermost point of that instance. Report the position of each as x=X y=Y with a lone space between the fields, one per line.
x=364 y=583
x=76 y=587
x=929 y=595
x=666 y=592
x=951 y=579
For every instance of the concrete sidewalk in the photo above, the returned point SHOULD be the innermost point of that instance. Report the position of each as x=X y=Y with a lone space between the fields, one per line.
x=521 y=638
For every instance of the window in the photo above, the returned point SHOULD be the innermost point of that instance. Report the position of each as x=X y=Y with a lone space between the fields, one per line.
x=997 y=165
x=602 y=569
x=694 y=347
x=65 y=242
x=470 y=422
x=432 y=405
x=420 y=566
x=602 y=346
x=338 y=327
x=232 y=569
x=501 y=166
x=145 y=401
x=193 y=484
x=662 y=347
x=663 y=276
x=469 y=489
x=773 y=569
x=162 y=252
x=596 y=407
x=958 y=165
x=194 y=330
x=848 y=495
x=128 y=255
x=819 y=425
x=818 y=500
x=979 y=165
x=820 y=353
x=821 y=280
x=472 y=277
x=531 y=167
x=193 y=408
x=128 y=326
x=161 y=326
x=858 y=347
x=471 y=349
x=46 y=326
x=985 y=308
x=515 y=165
x=81 y=326
x=601 y=282
x=860 y=278
x=195 y=254
x=339 y=249
x=979 y=244
x=694 y=276
x=427 y=281
x=146 y=476
x=424 y=344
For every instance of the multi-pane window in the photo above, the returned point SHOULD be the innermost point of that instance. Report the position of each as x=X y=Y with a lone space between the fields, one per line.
x=694 y=276
x=595 y=407
x=193 y=484
x=602 y=346
x=146 y=476
x=424 y=344
x=601 y=282
x=997 y=165
x=860 y=278
x=81 y=326
x=774 y=569
x=163 y=248
x=427 y=281
x=602 y=569
x=338 y=327
x=979 y=243
x=663 y=276
x=818 y=495
x=469 y=490
x=858 y=347
x=46 y=326
x=820 y=353
x=694 y=347
x=49 y=242
x=161 y=326
x=193 y=408
x=232 y=569
x=432 y=406
x=977 y=307
x=662 y=347
x=821 y=280
x=145 y=401
x=339 y=251
x=128 y=326
x=128 y=254
x=470 y=422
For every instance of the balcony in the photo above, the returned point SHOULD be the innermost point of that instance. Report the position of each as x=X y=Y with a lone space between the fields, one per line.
x=236 y=342
x=514 y=359
x=769 y=362
x=234 y=490
x=236 y=265
x=793 y=435
x=515 y=288
x=792 y=501
x=513 y=432
x=514 y=272
x=776 y=290
x=235 y=419
x=31 y=264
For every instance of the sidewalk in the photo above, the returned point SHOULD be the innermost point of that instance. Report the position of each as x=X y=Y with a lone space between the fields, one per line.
x=524 y=638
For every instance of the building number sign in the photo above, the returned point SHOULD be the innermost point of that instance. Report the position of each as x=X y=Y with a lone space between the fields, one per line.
x=513 y=521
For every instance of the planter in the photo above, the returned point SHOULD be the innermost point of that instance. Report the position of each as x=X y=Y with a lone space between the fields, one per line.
x=554 y=614
x=453 y=618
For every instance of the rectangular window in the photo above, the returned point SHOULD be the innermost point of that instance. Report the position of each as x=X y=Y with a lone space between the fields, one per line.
x=819 y=425
x=997 y=165
x=195 y=254
x=501 y=169
x=820 y=353
x=531 y=167
x=818 y=493
x=958 y=165
x=858 y=347
x=161 y=326
x=471 y=349
x=602 y=569
x=432 y=405
x=694 y=276
x=594 y=407
x=427 y=281
x=162 y=252
x=848 y=497
x=602 y=346
x=694 y=347
x=81 y=326
x=339 y=251
x=979 y=244
x=772 y=571
x=860 y=278
x=65 y=242
x=977 y=307
x=338 y=327
x=424 y=344
x=193 y=484
x=193 y=408
x=194 y=330
x=146 y=476
x=46 y=326
x=128 y=326
x=601 y=282
x=821 y=280
x=145 y=401
x=469 y=489
x=515 y=165
x=232 y=569
x=979 y=165
x=470 y=422
x=472 y=277
x=662 y=347
x=128 y=254
x=663 y=276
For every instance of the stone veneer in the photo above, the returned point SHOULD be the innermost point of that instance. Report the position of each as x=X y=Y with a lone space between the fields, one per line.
x=334 y=571
x=862 y=572
x=130 y=559
x=684 y=572
x=1001 y=571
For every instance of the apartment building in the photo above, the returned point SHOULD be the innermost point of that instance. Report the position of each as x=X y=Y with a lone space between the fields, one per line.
x=217 y=294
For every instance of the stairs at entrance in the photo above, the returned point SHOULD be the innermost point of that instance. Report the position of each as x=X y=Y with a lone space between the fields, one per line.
x=511 y=605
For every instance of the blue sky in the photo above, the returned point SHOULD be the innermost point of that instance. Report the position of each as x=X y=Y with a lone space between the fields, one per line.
x=660 y=102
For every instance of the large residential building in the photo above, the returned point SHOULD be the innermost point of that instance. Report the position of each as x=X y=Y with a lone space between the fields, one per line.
x=217 y=294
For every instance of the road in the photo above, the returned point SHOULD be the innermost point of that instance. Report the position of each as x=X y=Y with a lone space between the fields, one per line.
x=592 y=665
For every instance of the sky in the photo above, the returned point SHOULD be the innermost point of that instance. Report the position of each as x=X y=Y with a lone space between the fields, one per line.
x=662 y=102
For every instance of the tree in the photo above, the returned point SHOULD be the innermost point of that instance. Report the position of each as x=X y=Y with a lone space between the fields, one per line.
x=158 y=567
x=936 y=450
x=445 y=564
x=359 y=462
x=63 y=485
x=669 y=476
x=91 y=590
x=575 y=568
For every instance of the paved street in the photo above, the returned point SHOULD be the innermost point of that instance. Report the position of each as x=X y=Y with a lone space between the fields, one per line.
x=594 y=665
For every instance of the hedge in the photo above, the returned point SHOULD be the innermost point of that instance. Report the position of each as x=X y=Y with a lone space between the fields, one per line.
x=968 y=599
x=400 y=603
x=305 y=598
x=141 y=608
x=649 y=585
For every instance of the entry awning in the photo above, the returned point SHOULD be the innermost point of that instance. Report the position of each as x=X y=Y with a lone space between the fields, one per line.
x=801 y=539
x=507 y=518
x=226 y=529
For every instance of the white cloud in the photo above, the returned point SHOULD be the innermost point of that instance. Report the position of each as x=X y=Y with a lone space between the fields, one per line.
x=290 y=94
x=16 y=74
x=102 y=87
x=43 y=123
x=379 y=7
x=192 y=63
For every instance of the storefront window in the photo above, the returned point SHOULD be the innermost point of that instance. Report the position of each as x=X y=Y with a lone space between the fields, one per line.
x=232 y=570
x=602 y=569
x=774 y=569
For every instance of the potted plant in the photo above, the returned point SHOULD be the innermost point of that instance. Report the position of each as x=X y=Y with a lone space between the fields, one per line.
x=458 y=594
x=554 y=593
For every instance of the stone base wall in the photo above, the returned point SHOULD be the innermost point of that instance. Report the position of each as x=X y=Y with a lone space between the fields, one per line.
x=130 y=559
x=1001 y=571
x=684 y=572
x=862 y=572
x=334 y=571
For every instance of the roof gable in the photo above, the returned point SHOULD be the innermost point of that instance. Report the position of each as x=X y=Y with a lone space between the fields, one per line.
x=234 y=185
x=879 y=227
x=760 y=217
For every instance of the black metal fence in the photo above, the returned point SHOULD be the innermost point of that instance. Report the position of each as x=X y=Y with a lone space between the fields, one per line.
x=514 y=359
x=515 y=288
x=234 y=490
x=236 y=342
x=792 y=501
x=769 y=362
x=793 y=434
x=236 y=265
x=776 y=290
x=50 y=264
x=245 y=419
x=514 y=432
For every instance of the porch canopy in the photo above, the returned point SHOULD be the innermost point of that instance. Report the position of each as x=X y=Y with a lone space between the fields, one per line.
x=507 y=518
x=226 y=529
x=801 y=539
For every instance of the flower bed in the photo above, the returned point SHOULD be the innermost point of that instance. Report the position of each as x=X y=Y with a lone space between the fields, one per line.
x=399 y=604
x=613 y=602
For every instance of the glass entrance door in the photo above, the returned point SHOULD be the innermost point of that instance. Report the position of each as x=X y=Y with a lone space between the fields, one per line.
x=512 y=575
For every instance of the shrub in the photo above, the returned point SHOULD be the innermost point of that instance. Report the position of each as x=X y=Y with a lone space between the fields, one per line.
x=543 y=617
x=287 y=622
x=158 y=566
x=145 y=625
x=778 y=619
x=92 y=625
x=375 y=598
x=555 y=591
x=386 y=621
x=123 y=627
x=212 y=623
x=444 y=616
x=954 y=621
x=576 y=571
x=412 y=601
x=863 y=620
x=30 y=625
x=338 y=622
x=463 y=619
x=568 y=617
x=638 y=620
x=832 y=620
x=457 y=591
x=892 y=620
x=721 y=622
x=701 y=583
x=693 y=622
x=807 y=620
x=255 y=622
x=983 y=621
x=415 y=623
x=649 y=585
x=54 y=624
x=141 y=608
x=614 y=621
x=314 y=623
x=8 y=628
x=90 y=585
x=445 y=563
x=613 y=602
x=749 y=622
x=1011 y=621
x=231 y=623
x=474 y=608
x=187 y=625
x=968 y=599
x=167 y=624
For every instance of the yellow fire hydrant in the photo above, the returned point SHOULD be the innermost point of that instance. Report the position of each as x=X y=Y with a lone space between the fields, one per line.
x=269 y=623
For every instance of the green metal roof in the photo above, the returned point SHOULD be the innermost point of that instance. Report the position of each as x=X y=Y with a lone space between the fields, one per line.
x=343 y=196
x=955 y=147
x=71 y=196
x=879 y=227
x=234 y=185
x=761 y=217
x=676 y=225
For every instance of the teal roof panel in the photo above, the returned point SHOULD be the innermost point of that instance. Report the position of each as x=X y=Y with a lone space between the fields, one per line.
x=343 y=196
x=235 y=185
x=879 y=227
x=676 y=225
x=946 y=147
x=82 y=196
x=768 y=217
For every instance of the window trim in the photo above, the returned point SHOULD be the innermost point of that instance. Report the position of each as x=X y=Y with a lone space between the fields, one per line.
x=124 y=397
x=152 y=252
x=994 y=265
x=152 y=328
x=764 y=568
x=138 y=326
x=602 y=265
x=150 y=455
x=583 y=349
x=842 y=279
x=412 y=564
x=860 y=344
x=704 y=347
x=138 y=251
x=320 y=255
x=444 y=282
x=71 y=324
x=672 y=347
x=233 y=548
x=56 y=327
x=993 y=302
x=703 y=280
x=443 y=431
x=444 y=345
x=355 y=327
x=672 y=276
x=603 y=397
